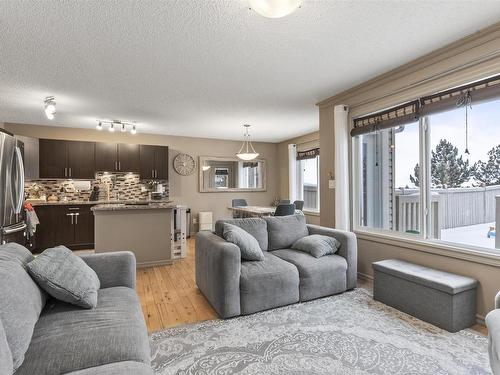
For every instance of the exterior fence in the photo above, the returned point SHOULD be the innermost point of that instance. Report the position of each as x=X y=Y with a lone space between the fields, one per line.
x=451 y=208
x=311 y=196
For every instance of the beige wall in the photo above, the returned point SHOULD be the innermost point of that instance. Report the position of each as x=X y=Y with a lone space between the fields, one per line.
x=472 y=58
x=183 y=189
x=283 y=167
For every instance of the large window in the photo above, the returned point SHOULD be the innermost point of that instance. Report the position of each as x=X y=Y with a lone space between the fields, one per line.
x=308 y=183
x=436 y=177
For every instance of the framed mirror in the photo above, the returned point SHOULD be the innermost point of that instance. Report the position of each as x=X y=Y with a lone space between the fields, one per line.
x=228 y=174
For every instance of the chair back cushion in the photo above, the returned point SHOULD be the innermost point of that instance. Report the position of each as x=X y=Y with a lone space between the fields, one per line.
x=248 y=244
x=283 y=231
x=257 y=227
x=21 y=300
x=66 y=277
x=6 y=365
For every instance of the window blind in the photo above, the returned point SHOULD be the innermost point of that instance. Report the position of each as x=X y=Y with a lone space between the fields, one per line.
x=389 y=118
x=481 y=91
x=308 y=154
x=476 y=92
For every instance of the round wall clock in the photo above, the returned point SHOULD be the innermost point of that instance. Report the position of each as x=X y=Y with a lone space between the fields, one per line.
x=184 y=164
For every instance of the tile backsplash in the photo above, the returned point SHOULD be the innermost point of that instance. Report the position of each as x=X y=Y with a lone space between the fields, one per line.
x=122 y=186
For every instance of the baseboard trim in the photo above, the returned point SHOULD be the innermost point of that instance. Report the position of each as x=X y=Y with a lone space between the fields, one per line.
x=364 y=276
x=480 y=320
x=154 y=263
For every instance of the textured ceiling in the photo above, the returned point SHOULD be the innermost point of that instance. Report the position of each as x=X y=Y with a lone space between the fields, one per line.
x=205 y=67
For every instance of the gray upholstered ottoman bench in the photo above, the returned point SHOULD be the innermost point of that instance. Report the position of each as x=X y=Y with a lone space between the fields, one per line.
x=440 y=298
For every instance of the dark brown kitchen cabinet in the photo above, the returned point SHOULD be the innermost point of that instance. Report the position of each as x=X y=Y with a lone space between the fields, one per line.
x=68 y=225
x=117 y=157
x=52 y=158
x=66 y=159
x=44 y=235
x=105 y=157
x=154 y=162
x=128 y=157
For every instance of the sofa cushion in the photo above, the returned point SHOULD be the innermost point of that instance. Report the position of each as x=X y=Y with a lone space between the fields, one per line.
x=249 y=247
x=319 y=277
x=6 y=365
x=65 y=276
x=317 y=245
x=257 y=227
x=283 y=231
x=267 y=284
x=21 y=300
x=118 y=368
x=68 y=338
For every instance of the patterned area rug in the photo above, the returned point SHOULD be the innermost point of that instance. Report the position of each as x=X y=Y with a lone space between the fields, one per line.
x=344 y=334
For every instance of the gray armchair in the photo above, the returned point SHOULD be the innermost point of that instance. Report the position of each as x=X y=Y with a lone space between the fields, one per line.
x=493 y=324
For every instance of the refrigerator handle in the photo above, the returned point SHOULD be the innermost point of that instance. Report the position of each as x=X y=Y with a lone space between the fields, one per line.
x=20 y=170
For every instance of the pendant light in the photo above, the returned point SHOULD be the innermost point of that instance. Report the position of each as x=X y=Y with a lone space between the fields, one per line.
x=247 y=152
x=274 y=8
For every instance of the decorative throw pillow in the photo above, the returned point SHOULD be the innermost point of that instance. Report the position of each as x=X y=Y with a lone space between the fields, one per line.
x=248 y=244
x=283 y=231
x=65 y=277
x=317 y=245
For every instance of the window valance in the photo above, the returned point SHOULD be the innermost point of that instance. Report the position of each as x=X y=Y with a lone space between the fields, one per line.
x=476 y=92
x=390 y=118
x=308 y=154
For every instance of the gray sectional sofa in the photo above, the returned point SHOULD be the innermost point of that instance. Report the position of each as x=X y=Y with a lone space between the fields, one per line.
x=40 y=335
x=285 y=276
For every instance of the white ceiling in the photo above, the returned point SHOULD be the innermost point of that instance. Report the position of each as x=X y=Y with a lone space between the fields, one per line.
x=205 y=67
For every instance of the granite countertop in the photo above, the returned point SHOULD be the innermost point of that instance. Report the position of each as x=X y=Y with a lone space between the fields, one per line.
x=129 y=206
x=100 y=202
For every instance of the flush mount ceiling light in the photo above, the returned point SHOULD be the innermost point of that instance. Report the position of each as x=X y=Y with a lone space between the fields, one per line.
x=247 y=152
x=274 y=8
x=50 y=107
x=115 y=124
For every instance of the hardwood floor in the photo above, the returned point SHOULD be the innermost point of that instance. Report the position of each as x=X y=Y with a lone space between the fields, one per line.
x=169 y=296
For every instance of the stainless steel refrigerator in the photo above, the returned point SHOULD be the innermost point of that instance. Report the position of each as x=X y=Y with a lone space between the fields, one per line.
x=12 y=224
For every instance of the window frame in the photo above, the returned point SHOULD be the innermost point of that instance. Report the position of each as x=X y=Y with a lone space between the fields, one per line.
x=300 y=185
x=420 y=242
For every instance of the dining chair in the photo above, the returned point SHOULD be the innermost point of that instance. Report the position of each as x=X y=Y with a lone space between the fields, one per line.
x=299 y=205
x=285 y=201
x=239 y=202
x=285 y=210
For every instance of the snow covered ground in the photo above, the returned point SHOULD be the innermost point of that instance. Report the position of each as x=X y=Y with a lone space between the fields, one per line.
x=476 y=235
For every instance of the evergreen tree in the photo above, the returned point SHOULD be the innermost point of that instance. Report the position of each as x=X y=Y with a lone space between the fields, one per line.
x=488 y=173
x=415 y=180
x=448 y=170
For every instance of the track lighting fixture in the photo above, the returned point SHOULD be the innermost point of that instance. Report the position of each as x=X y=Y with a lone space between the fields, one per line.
x=115 y=124
x=50 y=107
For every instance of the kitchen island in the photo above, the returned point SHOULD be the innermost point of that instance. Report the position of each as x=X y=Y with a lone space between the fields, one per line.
x=154 y=232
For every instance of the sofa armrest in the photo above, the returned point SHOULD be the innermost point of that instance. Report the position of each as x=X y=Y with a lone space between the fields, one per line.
x=348 y=249
x=218 y=269
x=493 y=324
x=113 y=268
